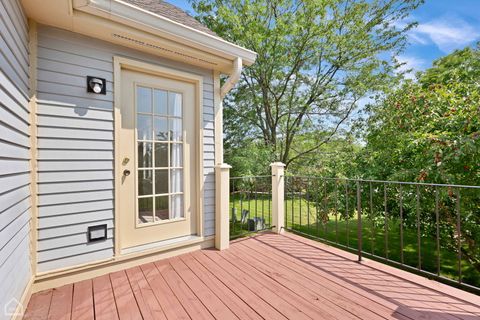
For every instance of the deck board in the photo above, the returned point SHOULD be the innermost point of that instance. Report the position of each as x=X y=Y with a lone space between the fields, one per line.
x=146 y=300
x=295 y=295
x=82 y=302
x=187 y=298
x=39 y=305
x=61 y=305
x=340 y=306
x=171 y=306
x=266 y=276
x=324 y=283
x=229 y=298
x=216 y=307
x=124 y=298
x=252 y=298
x=104 y=300
x=288 y=304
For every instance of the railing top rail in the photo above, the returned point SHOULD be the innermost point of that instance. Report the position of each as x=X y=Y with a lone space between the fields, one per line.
x=249 y=177
x=388 y=182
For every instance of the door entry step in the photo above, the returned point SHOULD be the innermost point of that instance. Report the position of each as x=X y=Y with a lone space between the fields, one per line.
x=164 y=244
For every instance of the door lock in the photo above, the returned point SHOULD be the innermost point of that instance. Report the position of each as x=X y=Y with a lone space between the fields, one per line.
x=126 y=172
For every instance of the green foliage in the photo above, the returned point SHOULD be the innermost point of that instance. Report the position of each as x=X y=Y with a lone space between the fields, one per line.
x=333 y=159
x=250 y=159
x=428 y=131
x=316 y=59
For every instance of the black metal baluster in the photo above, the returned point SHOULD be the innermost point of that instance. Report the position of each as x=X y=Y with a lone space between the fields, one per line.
x=308 y=205
x=336 y=211
x=386 y=219
x=437 y=221
x=347 y=214
x=255 y=223
x=234 y=211
x=359 y=221
x=263 y=208
x=241 y=207
x=401 y=225
x=300 y=204
x=293 y=199
x=249 y=203
x=459 y=237
x=325 y=209
x=419 y=244
x=372 y=221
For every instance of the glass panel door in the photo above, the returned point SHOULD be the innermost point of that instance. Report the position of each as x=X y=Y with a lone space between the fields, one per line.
x=160 y=140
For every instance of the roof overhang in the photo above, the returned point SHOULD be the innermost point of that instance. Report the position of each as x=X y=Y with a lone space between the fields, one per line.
x=125 y=24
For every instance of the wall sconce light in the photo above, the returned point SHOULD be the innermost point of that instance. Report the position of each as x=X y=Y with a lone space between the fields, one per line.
x=97 y=233
x=96 y=85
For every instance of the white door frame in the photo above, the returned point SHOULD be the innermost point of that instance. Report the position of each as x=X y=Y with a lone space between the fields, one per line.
x=125 y=63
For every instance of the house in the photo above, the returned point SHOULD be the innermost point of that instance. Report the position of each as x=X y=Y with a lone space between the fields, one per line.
x=110 y=130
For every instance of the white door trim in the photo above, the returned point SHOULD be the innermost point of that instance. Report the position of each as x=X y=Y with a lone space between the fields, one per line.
x=125 y=63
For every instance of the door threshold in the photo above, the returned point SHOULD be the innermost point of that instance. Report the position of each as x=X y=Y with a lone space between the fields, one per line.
x=164 y=244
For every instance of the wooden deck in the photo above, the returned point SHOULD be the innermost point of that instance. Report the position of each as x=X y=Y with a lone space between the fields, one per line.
x=267 y=276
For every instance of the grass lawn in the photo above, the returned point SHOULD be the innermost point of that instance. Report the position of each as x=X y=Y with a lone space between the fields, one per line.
x=345 y=233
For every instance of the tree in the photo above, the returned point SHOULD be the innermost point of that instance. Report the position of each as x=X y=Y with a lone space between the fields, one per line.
x=429 y=131
x=316 y=59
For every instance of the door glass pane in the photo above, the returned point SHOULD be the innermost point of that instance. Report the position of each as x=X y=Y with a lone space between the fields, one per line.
x=176 y=180
x=144 y=99
x=176 y=205
x=176 y=130
x=145 y=210
x=161 y=208
x=145 y=182
x=176 y=155
x=160 y=104
x=144 y=127
x=144 y=154
x=174 y=104
x=161 y=181
x=161 y=129
x=161 y=155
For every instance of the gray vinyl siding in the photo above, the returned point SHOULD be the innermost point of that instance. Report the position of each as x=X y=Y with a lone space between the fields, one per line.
x=75 y=146
x=15 y=196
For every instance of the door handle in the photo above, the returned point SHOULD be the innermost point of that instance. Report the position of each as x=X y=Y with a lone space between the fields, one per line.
x=126 y=172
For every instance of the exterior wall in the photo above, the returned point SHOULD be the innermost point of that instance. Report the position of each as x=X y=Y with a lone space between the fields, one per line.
x=15 y=200
x=75 y=146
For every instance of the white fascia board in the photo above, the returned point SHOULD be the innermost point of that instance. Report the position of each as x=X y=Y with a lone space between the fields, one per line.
x=154 y=23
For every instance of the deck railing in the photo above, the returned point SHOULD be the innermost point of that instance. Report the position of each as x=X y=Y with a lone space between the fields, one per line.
x=432 y=229
x=250 y=205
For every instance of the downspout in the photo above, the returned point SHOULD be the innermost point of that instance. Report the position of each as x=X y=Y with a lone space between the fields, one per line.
x=233 y=79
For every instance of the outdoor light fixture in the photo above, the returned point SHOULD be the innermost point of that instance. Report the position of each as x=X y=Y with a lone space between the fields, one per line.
x=97 y=233
x=96 y=85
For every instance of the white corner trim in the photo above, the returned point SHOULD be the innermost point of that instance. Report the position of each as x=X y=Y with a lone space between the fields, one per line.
x=132 y=15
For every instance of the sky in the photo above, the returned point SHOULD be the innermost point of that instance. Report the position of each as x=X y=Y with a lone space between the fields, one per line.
x=444 y=25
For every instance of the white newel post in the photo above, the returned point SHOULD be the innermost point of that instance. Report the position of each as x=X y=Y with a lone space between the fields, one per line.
x=278 y=205
x=222 y=202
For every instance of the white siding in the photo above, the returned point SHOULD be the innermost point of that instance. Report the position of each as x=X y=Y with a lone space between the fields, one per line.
x=75 y=145
x=15 y=201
